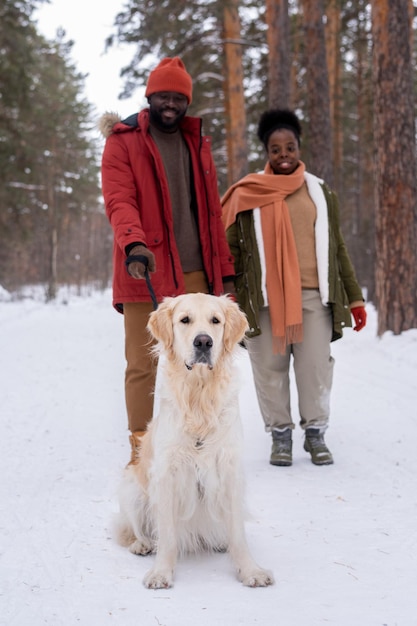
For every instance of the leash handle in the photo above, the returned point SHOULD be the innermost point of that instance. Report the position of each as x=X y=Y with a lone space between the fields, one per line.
x=145 y=261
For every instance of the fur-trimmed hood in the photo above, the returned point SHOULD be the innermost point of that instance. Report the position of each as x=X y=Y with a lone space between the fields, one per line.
x=110 y=123
x=107 y=122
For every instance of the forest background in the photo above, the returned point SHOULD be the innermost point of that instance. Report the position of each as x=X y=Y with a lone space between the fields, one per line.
x=347 y=68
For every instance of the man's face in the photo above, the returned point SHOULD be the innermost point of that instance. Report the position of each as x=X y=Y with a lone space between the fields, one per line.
x=167 y=108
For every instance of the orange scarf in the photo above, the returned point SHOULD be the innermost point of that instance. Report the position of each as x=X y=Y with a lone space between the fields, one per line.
x=283 y=284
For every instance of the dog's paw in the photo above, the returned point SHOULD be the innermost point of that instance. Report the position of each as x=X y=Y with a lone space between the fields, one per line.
x=141 y=546
x=157 y=579
x=257 y=578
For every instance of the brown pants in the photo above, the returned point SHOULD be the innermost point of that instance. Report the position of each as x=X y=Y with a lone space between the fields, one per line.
x=141 y=366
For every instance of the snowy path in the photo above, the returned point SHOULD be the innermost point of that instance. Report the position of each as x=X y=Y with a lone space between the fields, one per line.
x=341 y=540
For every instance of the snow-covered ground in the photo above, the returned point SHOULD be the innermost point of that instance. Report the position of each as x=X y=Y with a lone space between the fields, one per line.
x=341 y=540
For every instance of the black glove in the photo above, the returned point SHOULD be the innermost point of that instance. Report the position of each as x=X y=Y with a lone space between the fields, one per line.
x=136 y=266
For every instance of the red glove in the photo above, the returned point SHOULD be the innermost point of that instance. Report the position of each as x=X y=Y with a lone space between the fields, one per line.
x=359 y=315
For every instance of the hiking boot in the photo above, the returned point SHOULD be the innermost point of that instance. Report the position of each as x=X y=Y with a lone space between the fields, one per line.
x=281 y=453
x=314 y=443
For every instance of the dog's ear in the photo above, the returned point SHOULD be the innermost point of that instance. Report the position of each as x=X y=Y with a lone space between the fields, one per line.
x=236 y=324
x=160 y=323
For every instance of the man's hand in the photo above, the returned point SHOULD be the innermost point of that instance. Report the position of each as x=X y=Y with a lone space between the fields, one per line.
x=135 y=267
x=229 y=289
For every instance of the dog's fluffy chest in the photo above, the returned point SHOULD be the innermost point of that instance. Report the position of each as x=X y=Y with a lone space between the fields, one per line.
x=197 y=410
x=199 y=465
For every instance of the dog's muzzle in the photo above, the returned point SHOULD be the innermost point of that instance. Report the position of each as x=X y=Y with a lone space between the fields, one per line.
x=202 y=345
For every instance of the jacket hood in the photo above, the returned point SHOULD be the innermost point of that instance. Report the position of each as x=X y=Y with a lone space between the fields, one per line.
x=107 y=122
x=111 y=122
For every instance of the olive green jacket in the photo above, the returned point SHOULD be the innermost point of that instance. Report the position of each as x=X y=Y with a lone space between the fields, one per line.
x=338 y=285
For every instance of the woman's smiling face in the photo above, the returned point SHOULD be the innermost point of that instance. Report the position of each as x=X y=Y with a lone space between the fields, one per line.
x=283 y=151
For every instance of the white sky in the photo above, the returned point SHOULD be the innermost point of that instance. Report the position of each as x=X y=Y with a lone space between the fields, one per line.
x=88 y=23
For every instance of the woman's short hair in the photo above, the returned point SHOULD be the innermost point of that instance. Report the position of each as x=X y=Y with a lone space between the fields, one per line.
x=274 y=119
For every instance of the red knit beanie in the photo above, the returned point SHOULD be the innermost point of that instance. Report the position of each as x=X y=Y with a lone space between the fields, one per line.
x=170 y=75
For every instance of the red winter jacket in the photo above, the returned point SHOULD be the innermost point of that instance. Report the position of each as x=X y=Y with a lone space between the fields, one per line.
x=138 y=205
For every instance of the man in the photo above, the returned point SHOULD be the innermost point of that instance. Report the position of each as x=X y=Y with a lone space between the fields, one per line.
x=160 y=190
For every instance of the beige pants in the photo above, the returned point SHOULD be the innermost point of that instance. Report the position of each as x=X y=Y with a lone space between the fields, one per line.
x=313 y=369
x=141 y=366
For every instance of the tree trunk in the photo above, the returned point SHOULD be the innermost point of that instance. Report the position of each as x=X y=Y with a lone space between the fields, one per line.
x=279 y=57
x=334 y=64
x=52 y=289
x=236 y=140
x=52 y=274
x=396 y=187
x=320 y=139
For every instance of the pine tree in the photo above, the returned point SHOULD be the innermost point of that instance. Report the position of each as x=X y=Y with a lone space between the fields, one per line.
x=48 y=159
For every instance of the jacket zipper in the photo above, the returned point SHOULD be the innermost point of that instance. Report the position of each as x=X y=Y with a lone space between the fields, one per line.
x=210 y=285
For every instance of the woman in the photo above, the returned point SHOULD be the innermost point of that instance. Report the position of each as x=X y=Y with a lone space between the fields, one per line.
x=295 y=282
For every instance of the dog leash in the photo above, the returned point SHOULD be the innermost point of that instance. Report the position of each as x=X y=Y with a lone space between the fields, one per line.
x=145 y=261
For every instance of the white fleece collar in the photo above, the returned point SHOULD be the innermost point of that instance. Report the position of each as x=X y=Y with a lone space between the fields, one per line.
x=315 y=190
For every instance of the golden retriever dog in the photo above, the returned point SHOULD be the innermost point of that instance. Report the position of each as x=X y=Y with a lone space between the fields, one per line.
x=185 y=494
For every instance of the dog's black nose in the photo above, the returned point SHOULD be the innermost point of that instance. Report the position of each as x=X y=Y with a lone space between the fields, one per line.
x=203 y=342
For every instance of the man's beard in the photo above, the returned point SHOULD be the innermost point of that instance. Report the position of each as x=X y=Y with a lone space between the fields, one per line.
x=157 y=120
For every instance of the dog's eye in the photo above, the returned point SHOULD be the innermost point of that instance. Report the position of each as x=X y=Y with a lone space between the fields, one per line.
x=185 y=320
x=215 y=320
